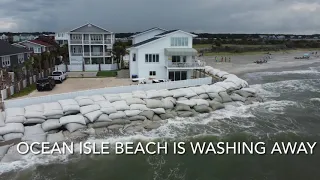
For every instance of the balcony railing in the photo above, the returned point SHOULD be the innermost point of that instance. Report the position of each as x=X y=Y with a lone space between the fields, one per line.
x=107 y=41
x=186 y=64
x=96 y=42
x=86 y=42
x=96 y=53
x=107 y=53
x=76 y=54
x=92 y=54
x=76 y=41
x=86 y=53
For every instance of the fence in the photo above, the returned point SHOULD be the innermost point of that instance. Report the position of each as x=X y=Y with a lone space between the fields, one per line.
x=87 y=67
x=109 y=90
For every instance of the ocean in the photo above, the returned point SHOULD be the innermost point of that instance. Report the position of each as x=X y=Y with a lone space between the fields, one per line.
x=290 y=113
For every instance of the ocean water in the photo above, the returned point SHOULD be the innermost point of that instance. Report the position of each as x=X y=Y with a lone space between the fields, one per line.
x=290 y=113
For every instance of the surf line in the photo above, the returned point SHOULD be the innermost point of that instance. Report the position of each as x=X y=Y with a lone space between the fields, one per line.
x=246 y=148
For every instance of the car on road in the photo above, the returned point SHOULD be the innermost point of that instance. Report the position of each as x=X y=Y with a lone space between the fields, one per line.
x=59 y=76
x=45 y=83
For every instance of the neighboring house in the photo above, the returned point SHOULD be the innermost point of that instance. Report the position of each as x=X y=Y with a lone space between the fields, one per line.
x=168 y=55
x=11 y=56
x=36 y=46
x=23 y=37
x=61 y=38
x=90 y=44
x=147 y=34
x=4 y=37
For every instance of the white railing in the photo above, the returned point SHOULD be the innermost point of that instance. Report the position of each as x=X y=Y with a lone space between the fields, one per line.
x=107 y=41
x=96 y=42
x=86 y=53
x=76 y=41
x=86 y=41
x=110 y=90
x=96 y=53
x=186 y=64
x=87 y=67
x=76 y=54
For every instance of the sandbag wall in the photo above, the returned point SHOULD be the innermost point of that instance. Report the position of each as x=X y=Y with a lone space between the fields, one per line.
x=129 y=112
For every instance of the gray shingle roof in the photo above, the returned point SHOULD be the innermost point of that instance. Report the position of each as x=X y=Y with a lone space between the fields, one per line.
x=8 y=49
x=167 y=32
x=145 y=42
x=154 y=28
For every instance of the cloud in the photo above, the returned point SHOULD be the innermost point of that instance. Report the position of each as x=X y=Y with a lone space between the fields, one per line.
x=217 y=16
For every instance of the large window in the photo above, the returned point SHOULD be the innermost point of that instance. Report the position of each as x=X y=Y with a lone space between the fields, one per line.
x=178 y=75
x=151 y=58
x=152 y=73
x=5 y=61
x=179 y=41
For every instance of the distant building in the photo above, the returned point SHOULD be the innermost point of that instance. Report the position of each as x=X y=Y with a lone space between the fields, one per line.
x=4 y=37
x=36 y=46
x=61 y=38
x=23 y=37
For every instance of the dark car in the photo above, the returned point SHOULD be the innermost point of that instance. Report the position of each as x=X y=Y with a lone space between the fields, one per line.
x=46 y=83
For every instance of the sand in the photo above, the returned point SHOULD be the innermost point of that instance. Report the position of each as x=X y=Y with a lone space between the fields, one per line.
x=244 y=63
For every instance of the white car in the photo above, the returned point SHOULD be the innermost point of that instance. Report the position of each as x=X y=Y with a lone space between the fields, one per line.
x=59 y=76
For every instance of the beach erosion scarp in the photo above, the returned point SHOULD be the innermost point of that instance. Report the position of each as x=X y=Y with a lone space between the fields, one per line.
x=74 y=120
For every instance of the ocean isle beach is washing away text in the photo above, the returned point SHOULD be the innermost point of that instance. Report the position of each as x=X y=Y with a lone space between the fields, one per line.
x=178 y=148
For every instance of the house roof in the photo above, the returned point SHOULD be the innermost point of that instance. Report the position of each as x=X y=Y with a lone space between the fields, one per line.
x=35 y=41
x=145 y=42
x=8 y=49
x=145 y=31
x=167 y=32
x=89 y=25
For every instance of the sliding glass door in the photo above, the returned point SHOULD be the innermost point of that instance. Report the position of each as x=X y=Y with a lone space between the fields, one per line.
x=177 y=75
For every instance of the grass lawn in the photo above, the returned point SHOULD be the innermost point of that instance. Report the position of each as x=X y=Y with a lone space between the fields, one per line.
x=24 y=92
x=107 y=74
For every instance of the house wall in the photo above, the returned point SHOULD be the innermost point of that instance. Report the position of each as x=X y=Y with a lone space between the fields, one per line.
x=35 y=47
x=146 y=36
x=14 y=60
x=157 y=47
x=133 y=65
x=61 y=36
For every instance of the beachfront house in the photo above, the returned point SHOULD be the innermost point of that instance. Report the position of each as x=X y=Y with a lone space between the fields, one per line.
x=12 y=56
x=61 y=38
x=91 y=45
x=147 y=34
x=36 y=46
x=167 y=55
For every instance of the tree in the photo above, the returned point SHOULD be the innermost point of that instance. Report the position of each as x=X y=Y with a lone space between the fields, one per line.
x=118 y=51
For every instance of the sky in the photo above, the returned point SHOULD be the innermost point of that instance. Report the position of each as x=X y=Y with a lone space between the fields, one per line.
x=212 y=16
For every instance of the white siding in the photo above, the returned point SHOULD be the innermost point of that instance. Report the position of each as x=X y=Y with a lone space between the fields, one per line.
x=146 y=36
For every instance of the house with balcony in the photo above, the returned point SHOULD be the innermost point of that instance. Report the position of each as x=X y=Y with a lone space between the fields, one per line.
x=167 y=55
x=61 y=38
x=91 y=45
x=36 y=46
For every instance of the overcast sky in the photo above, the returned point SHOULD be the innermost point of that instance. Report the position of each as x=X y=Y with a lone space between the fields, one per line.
x=214 y=16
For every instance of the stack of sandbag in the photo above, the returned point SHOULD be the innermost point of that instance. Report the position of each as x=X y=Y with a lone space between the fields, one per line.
x=34 y=114
x=97 y=98
x=73 y=122
x=91 y=112
x=84 y=101
x=69 y=106
x=153 y=94
x=157 y=108
x=52 y=110
x=14 y=115
x=200 y=91
x=139 y=94
x=183 y=108
x=12 y=131
x=112 y=97
x=202 y=106
x=34 y=134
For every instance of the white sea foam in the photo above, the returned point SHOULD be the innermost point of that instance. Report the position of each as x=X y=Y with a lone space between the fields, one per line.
x=293 y=86
x=315 y=99
x=257 y=75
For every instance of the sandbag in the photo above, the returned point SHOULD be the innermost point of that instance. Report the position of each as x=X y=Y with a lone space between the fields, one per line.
x=93 y=116
x=244 y=94
x=166 y=116
x=103 y=118
x=4 y=149
x=153 y=103
x=221 y=74
x=14 y=115
x=140 y=107
x=56 y=137
x=108 y=110
x=137 y=118
x=152 y=125
x=33 y=130
x=200 y=102
x=225 y=97
x=215 y=105
x=215 y=97
x=72 y=127
x=115 y=127
x=167 y=103
x=134 y=101
x=148 y=114
x=12 y=128
x=52 y=109
x=130 y=113
x=84 y=101
x=69 y=106
x=34 y=108
x=182 y=99
x=178 y=93
x=165 y=93
x=120 y=105
x=72 y=119
x=159 y=111
x=153 y=94
x=237 y=97
x=117 y=115
x=11 y=136
x=106 y=124
x=185 y=113
x=173 y=112
x=34 y=121
x=51 y=124
x=187 y=102
x=2 y=123
x=90 y=108
x=198 y=90
x=173 y=100
x=195 y=97
x=112 y=97
x=139 y=94
x=54 y=117
x=97 y=98
x=156 y=118
x=34 y=134
x=124 y=96
x=215 y=89
x=202 y=109
x=189 y=92
x=204 y=96
x=205 y=87
x=34 y=111
x=104 y=104
x=229 y=86
x=249 y=90
x=182 y=107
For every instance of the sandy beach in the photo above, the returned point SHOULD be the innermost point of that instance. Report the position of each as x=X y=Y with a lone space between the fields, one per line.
x=244 y=63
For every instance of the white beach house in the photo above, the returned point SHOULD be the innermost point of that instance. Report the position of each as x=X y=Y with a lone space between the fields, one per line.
x=164 y=55
x=61 y=38
x=91 y=45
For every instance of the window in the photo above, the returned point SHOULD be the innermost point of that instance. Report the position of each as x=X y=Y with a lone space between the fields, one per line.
x=134 y=57
x=6 y=61
x=152 y=58
x=20 y=58
x=152 y=73
x=179 y=41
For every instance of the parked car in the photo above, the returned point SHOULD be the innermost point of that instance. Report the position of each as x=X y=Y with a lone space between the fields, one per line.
x=46 y=83
x=59 y=76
